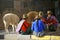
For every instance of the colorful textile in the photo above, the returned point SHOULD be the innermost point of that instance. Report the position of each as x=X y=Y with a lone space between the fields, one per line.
x=19 y=26
x=28 y=31
x=52 y=23
x=38 y=26
x=44 y=20
x=25 y=26
x=52 y=20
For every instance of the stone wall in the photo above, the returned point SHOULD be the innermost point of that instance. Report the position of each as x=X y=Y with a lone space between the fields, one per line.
x=1 y=22
x=24 y=6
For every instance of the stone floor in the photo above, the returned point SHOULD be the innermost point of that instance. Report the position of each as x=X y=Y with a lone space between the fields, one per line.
x=14 y=36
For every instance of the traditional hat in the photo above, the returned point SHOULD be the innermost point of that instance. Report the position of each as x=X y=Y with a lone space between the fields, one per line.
x=49 y=12
x=40 y=13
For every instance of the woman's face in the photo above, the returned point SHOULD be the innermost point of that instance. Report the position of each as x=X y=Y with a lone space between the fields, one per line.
x=49 y=15
x=24 y=16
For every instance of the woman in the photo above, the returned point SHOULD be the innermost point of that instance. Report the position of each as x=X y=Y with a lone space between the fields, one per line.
x=41 y=16
x=23 y=26
x=38 y=26
x=51 y=21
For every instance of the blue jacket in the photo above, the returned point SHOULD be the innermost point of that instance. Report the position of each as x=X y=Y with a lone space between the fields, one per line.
x=38 y=27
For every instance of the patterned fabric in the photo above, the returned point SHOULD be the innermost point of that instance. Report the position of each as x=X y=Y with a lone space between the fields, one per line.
x=19 y=26
x=52 y=20
x=28 y=31
x=44 y=20
x=25 y=26
x=52 y=23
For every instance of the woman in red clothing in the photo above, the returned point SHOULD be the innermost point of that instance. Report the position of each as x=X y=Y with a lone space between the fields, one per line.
x=25 y=28
x=51 y=21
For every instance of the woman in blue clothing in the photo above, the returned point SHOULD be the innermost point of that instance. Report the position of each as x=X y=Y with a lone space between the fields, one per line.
x=38 y=26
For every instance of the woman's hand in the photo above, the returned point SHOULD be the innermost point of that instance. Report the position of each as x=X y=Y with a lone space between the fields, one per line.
x=50 y=24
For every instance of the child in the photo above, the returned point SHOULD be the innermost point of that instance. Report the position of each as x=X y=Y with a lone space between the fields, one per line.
x=38 y=27
x=51 y=21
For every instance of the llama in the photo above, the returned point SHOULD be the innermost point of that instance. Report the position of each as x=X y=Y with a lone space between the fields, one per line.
x=10 y=19
x=31 y=15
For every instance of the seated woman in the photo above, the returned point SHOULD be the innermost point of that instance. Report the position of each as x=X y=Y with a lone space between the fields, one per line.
x=41 y=16
x=38 y=27
x=51 y=22
x=24 y=26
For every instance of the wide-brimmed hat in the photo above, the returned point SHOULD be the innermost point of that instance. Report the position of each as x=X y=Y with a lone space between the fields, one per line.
x=40 y=13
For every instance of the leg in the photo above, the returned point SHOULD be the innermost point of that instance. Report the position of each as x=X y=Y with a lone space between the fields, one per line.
x=13 y=28
x=47 y=28
x=6 y=27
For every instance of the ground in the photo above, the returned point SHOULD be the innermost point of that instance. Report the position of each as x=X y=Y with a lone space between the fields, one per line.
x=14 y=36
